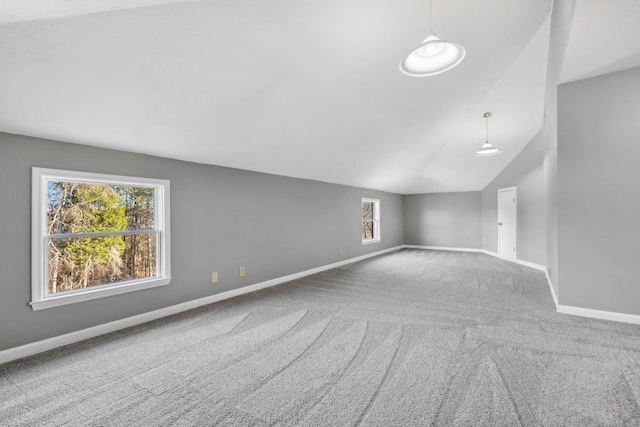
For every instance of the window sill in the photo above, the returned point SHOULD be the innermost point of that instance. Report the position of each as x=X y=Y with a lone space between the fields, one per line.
x=89 y=294
x=368 y=242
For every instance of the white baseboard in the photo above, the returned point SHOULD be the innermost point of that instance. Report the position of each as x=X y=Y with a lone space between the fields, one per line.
x=552 y=290
x=442 y=248
x=599 y=314
x=534 y=266
x=484 y=251
x=560 y=308
x=72 y=337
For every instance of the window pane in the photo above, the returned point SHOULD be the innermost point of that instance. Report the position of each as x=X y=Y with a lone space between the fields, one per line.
x=367 y=229
x=82 y=207
x=367 y=210
x=139 y=207
x=77 y=263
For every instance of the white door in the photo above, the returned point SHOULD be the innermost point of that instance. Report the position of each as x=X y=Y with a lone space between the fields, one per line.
x=507 y=210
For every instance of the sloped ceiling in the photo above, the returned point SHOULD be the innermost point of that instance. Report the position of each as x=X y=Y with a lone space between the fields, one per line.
x=308 y=89
x=604 y=38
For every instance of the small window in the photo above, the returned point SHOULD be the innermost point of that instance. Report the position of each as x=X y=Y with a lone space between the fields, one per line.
x=370 y=221
x=96 y=235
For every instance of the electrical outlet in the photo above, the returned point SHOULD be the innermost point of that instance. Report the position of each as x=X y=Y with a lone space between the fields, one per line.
x=350 y=249
x=214 y=277
x=339 y=251
x=241 y=271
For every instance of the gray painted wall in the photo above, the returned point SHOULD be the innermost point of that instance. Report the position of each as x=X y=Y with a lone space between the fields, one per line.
x=443 y=219
x=561 y=19
x=221 y=219
x=526 y=173
x=598 y=189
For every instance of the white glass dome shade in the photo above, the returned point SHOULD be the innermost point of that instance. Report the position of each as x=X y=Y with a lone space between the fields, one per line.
x=487 y=149
x=433 y=56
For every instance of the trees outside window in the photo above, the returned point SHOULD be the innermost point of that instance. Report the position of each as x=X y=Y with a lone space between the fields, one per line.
x=97 y=235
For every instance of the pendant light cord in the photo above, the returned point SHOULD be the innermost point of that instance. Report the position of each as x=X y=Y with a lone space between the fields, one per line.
x=486 y=116
x=487 y=121
x=430 y=17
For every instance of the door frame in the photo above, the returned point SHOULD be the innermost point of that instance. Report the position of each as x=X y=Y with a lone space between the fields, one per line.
x=515 y=194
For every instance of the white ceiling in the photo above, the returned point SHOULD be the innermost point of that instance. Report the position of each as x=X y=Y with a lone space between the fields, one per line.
x=307 y=89
x=12 y=11
x=604 y=38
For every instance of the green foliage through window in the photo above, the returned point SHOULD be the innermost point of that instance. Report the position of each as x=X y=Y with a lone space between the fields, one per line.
x=99 y=234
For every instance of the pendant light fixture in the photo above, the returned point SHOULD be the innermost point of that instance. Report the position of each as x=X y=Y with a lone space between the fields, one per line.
x=487 y=149
x=433 y=56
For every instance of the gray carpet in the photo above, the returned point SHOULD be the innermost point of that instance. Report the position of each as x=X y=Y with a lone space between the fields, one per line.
x=412 y=338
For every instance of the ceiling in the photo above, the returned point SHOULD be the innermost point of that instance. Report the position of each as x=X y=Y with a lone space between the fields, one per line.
x=307 y=89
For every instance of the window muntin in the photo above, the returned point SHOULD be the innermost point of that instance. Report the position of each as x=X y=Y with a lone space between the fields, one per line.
x=370 y=220
x=96 y=235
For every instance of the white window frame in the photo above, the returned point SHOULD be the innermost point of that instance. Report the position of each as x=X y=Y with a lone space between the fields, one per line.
x=376 y=220
x=40 y=297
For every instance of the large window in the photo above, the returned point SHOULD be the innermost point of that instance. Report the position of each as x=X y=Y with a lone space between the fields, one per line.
x=370 y=221
x=96 y=235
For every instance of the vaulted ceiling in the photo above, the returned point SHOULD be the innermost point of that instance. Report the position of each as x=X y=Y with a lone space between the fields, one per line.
x=308 y=89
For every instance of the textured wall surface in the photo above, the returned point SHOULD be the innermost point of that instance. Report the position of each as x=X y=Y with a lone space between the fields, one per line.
x=221 y=219
x=598 y=184
x=443 y=219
